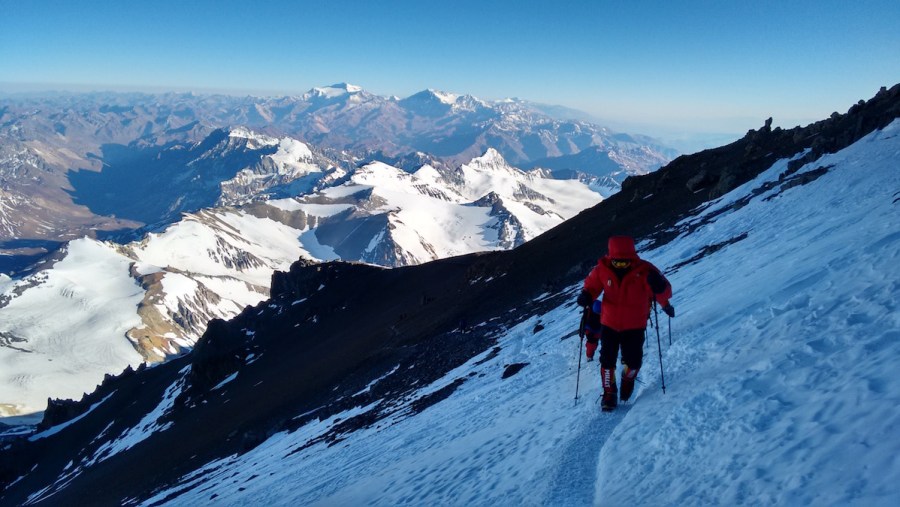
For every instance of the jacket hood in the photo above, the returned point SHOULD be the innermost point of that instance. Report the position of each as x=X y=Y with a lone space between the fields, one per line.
x=622 y=247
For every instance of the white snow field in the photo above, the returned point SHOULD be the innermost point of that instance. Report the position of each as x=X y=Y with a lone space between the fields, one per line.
x=75 y=322
x=782 y=384
x=70 y=328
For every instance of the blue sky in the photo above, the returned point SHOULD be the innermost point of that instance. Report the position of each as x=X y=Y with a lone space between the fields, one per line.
x=712 y=66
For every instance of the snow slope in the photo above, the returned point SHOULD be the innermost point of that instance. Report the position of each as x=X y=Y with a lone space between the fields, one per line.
x=781 y=379
x=223 y=243
x=783 y=373
x=431 y=214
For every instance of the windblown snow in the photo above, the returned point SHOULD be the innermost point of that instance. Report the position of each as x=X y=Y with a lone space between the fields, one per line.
x=781 y=379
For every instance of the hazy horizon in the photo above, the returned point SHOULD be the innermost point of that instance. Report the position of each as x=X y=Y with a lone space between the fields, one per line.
x=686 y=141
x=663 y=69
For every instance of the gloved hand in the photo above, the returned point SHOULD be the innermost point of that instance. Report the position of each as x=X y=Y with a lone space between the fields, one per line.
x=585 y=299
x=670 y=311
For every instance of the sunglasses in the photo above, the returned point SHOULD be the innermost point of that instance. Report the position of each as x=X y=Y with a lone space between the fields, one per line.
x=620 y=263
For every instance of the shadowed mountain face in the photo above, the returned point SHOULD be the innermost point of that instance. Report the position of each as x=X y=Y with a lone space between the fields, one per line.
x=150 y=184
x=25 y=253
x=330 y=330
x=154 y=184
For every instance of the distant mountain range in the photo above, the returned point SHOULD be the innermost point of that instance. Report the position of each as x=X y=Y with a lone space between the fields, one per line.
x=140 y=143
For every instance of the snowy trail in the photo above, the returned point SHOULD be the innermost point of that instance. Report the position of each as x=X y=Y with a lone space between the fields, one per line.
x=576 y=467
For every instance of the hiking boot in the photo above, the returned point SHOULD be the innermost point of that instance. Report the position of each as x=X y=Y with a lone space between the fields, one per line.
x=610 y=393
x=628 y=377
x=608 y=403
x=590 y=349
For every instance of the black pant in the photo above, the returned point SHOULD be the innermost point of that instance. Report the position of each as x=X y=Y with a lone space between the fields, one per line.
x=631 y=342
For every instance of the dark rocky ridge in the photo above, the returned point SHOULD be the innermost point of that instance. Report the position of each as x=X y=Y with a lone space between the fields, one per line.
x=330 y=329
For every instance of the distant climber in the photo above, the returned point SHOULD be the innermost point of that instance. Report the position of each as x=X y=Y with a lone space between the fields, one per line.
x=628 y=285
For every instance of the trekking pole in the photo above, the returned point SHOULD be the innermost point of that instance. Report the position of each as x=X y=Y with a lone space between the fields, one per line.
x=659 y=349
x=670 y=331
x=580 y=347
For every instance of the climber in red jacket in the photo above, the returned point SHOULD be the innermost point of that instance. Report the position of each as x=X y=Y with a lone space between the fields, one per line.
x=628 y=284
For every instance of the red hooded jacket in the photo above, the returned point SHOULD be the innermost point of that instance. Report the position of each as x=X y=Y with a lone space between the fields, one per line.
x=626 y=300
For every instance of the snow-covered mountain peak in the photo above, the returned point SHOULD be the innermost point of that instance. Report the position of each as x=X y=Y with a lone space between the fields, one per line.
x=378 y=173
x=241 y=132
x=491 y=160
x=445 y=97
x=254 y=140
x=433 y=102
x=291 y=150
x=288 y=147
x=491 y=156
x=334 y=91
x=431 y=94
x=427 y=173
x=350 y=88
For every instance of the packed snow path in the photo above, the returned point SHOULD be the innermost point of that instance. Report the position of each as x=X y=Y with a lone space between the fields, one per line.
x=574 y=482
